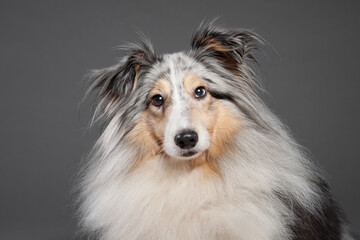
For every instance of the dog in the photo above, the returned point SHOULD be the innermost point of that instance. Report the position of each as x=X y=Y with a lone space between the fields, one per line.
x=190 y=151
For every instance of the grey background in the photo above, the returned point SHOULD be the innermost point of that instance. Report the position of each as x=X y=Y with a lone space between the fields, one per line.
x=47 y=47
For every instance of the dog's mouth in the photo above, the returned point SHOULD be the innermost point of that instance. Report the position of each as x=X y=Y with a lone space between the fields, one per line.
x=189 y=154
x=186 y=155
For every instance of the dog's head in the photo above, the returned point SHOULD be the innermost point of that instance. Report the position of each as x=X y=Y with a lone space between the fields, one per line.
x=186 y=104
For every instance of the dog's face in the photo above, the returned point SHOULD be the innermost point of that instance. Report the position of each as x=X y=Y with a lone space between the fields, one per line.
x=182 y=117
x=182 y=105
x=181 y=114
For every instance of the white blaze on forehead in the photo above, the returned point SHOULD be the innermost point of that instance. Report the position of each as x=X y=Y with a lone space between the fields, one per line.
x=179 y=118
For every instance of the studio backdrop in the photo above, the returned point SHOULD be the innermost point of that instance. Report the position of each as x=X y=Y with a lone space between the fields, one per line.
x=310 y=70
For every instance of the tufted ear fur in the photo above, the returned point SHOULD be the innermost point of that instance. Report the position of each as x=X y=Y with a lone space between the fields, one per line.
x=116 y=83
x=231 y=47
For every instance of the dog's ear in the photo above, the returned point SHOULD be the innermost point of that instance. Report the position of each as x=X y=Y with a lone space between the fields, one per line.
x=231 y=47
x=117 y=82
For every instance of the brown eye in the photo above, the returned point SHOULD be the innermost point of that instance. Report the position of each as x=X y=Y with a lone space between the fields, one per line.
x=200 y=92
x=157 y=100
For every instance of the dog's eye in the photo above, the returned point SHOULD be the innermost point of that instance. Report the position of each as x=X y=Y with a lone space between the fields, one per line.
x=200 y=92
x=157 y=100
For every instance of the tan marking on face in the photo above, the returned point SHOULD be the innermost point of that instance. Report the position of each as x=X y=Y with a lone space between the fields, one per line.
x=222 y=126
x=162 y=87
x=219 y=120
x=191 y=82
x=223 y=130
x=158 y=116
x=148 y=133
x=142 y=137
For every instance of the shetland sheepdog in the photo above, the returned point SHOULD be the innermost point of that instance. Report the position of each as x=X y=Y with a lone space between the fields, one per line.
x=189 y=151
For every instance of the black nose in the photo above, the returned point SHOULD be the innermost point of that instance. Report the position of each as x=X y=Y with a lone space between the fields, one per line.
x=186 y=139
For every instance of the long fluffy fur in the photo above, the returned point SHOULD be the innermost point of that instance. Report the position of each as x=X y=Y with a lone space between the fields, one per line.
x=268 y=188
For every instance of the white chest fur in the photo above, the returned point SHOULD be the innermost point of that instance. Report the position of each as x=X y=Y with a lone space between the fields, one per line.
x=154 y=202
